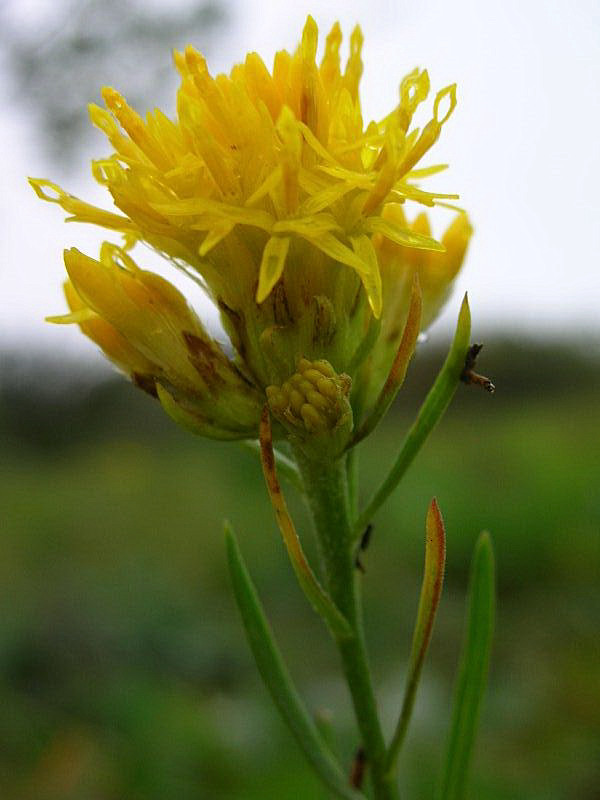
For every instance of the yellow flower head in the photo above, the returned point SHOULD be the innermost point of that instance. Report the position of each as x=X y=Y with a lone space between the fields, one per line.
x=269 y=189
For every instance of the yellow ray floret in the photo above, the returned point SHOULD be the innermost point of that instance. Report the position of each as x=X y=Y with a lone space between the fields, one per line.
x=277 y=166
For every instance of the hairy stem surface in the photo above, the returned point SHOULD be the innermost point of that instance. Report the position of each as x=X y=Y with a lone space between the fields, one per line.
x=326 y=487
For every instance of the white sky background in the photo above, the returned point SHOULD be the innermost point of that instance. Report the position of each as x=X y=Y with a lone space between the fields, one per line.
x=523 y=145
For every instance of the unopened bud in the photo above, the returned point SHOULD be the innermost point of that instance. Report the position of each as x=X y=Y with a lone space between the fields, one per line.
x=314 y=399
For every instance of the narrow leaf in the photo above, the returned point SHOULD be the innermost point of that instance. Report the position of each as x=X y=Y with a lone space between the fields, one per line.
x=399 y=368
x=316 y=595
x=286 y=467
x=365 y=345
x=324 y=722
x=431 y=590
x=276 y=677
x=431 y=411
x=473 y=670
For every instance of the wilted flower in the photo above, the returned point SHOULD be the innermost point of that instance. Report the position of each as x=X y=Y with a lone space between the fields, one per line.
x=270 y=191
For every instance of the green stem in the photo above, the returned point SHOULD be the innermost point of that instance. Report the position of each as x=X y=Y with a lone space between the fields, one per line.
x=352 y=471
x=326 y=488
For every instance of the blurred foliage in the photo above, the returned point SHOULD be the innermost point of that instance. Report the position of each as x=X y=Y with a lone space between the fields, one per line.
x=124 y=673
x=58 y=58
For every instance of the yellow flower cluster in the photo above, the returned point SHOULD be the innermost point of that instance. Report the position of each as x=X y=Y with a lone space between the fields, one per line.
x=268 y=189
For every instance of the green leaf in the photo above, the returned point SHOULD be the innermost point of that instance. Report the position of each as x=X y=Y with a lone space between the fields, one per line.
x=277 y=679
x=473 y=670
x=398 y=369
x=324 y=722
x=431 y=590
x=430 y=413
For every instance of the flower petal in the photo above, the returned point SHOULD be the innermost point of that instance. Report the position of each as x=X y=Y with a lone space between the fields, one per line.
x=271 y=266
x=401 y=235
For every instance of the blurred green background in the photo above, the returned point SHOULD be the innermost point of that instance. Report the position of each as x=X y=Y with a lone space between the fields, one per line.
x=124 y=672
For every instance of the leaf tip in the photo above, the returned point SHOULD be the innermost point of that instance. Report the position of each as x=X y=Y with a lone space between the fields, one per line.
x=464 y=315
x=232 y=550
x=436 y=532
x=484 y=549
x=231 y=545
x=434 y=515
x=434 y=507
x=463 y=326
x=485 y=539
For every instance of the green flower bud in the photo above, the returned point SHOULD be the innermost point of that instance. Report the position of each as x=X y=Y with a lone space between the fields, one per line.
x=313 y=406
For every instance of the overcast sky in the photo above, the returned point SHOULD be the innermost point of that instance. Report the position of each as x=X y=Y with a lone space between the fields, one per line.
x=523 y=145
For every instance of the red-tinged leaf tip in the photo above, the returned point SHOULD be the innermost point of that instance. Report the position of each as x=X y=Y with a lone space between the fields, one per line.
x=435 y=529
x=435 y=560
x=431 y=590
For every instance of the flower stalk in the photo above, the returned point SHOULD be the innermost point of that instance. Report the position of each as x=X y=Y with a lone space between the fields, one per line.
x=327 y=496
x=317 y=596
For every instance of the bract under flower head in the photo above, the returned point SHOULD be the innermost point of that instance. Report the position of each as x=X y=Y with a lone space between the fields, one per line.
x=270 y=189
